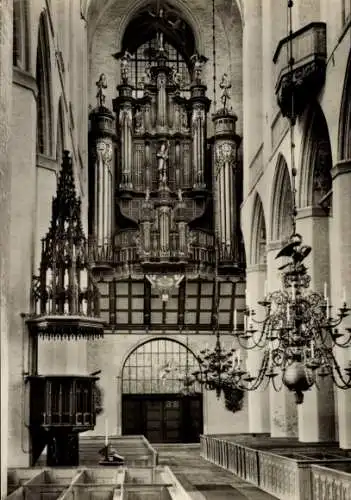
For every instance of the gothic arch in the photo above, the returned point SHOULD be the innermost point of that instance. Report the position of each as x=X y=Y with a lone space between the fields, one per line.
x=316 y=161
x=44 y=99
x=281 y=226
x=97 y=9
x=155 y=365
x=259 y=234
x=344 y=143
x=146 y=22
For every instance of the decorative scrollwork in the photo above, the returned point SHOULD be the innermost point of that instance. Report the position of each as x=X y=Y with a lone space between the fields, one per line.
x=225 y=154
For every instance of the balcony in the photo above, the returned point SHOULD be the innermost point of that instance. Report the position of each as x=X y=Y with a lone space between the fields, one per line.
x=125 y=254
x=309 y=51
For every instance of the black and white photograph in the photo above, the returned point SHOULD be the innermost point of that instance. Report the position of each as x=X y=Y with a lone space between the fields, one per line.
x=175 y=249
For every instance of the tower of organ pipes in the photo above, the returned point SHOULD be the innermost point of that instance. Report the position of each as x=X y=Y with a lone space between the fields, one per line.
x=226 y=143
x=101 y=175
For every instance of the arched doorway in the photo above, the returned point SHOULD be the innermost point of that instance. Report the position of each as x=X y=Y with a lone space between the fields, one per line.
x=155 y=402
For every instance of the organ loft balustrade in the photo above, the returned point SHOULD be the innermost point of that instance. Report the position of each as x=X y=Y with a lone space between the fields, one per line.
x=303 y=75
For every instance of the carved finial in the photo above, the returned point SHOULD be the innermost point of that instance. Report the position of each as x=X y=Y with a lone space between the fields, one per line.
x=101 y=84
x=225 y=85
x=125 y=66
x=198 y=62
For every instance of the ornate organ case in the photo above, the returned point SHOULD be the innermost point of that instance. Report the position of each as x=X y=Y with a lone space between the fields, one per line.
x=166 y=203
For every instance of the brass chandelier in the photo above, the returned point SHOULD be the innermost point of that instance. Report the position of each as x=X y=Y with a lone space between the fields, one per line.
x=299 y=334
x=300 y=329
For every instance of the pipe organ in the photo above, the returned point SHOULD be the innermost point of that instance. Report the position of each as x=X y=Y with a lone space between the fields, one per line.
x=169 y=179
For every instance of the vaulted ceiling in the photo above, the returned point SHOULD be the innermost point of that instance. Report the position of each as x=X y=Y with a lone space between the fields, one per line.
x=93 y=10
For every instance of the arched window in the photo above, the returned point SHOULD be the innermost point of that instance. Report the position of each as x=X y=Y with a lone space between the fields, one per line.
x=140 y=40
x=145 y=55
x=44 y=115
x=20 y=35
x=158 y=366
x=259 y=235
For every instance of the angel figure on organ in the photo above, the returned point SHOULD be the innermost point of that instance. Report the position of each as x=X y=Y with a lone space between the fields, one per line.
x=125 y=66
x=162 y=157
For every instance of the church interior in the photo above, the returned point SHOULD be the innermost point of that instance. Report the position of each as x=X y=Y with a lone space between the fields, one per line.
x=175 y=249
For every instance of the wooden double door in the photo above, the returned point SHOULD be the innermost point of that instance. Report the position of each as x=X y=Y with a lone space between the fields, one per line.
x=163 y=418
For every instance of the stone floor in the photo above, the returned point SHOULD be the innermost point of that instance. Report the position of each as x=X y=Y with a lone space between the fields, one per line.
x=204 y=480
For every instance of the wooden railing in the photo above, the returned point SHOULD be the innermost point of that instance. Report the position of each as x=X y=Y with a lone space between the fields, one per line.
x=288 y=473
x=283 y=477
x=239 y=459
x=299 y=80
x=308 y=43
x=331 y=484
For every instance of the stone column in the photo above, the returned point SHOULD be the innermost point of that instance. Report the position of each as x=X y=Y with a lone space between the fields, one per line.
x=123 y=106
x=252 y=83
x=283 y=411
x=199 y=107
x=22 y=265
x=5 y=173
x=258 y=401
x=341 y=278
x=225 y=147
x=316 y=421
x=102 y=148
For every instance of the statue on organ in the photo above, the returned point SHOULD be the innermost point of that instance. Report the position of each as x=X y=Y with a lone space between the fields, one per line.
x=162 y=157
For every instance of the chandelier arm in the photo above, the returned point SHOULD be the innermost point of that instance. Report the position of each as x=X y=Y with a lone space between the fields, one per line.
x=256 y=383
x=244 y=345
x=338 y=343
x=260 y=342
x=346 y=384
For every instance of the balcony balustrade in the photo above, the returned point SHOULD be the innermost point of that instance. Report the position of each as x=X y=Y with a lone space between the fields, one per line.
x=301 y=79
x=125 y=254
